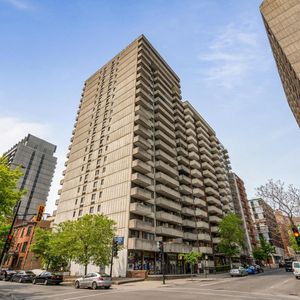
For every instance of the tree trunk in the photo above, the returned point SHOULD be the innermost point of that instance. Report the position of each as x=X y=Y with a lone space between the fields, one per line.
x=230 y=262
x=85 y=269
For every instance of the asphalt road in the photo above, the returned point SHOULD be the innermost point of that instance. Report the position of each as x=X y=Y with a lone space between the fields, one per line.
x=273 y=285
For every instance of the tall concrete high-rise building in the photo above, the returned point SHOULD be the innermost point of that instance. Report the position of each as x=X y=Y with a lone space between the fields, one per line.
x=149 y=161
x=37 y=161
x=281 y=19
x=242 y=208
x=267 y=226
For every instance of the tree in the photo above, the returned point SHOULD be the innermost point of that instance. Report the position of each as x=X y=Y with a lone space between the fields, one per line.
x=4 y=229
x=279 y=197
x=191 y=258
x=293 y=243
x=264 y=251
x=9 y=193
x=232 y=236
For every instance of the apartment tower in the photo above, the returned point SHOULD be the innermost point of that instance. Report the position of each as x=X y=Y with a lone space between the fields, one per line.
x=281 y=19
x=36 y=159
x=148 y=160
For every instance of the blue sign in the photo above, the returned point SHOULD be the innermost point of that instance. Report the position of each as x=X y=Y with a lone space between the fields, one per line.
x=120 y=240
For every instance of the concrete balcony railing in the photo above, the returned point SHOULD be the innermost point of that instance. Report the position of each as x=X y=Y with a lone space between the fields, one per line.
x=168 y=217
x=165 y=129
x=140 y=166
x=206 y=158
x=222 y=192
x=212 y=200
x=196 y=173
x=222 y=184
x=169 y=231
x=141 y=225
x=203 y=237
x=141 y=179
x=167 y=180
x=167 y=192
x=214 y=229
x=194 y=164
x=192 y=147
x=185 y=190
x=188 y=118
x=225 y=200
x=188 y=223
x=220 y=170
x=204 y=143
x=159 y=144
x=164 y=167
x=184 y=179
x=199 y=202
x=192 y=140
x=193 y=156
x=168 y=204
x=216 y=156
x=143 y=121
x=221 y=177
x=183 y=160
x=215 y=210
x=142 y=131
x=190 y=236
x=190 y=131
x=141 y=194
x=188 y=111
x=204 y=150
x=140 y=209
x=198 y=192
x=226 y=208
x=200 y=213
x=161 y=155
x=182 y=151
x=206 y=250
x=211 y=192
x=188 y=211
x=209 y=174
x=196 y=182
x=214 y=219
x=183 y=168
x=202 y=225
x=202 y=137
x=177 y=248
x=159 y=134
x=207 y=166
x=141 y=154
x=209 y=182
x=139 y=141
x=216 y=240
x=142 y=244
x=187 y=200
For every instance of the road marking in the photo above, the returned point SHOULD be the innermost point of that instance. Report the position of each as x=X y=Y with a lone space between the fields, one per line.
x=279 y=283
x=54 y=295
x=105 y=293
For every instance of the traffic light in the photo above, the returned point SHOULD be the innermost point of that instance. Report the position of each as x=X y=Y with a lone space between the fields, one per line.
x=160 y=246
x=40 y=213
x=9 y=242
x=115 y=248
x=296 y=235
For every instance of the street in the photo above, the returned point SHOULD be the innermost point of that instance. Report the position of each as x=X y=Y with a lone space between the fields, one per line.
x=272 y=285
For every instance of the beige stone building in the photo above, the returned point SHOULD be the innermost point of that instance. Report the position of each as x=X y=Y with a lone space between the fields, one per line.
x=282 y=22
x=148 y=160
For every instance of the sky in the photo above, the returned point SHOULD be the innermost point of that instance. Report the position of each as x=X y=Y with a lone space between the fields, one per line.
x=218 y=48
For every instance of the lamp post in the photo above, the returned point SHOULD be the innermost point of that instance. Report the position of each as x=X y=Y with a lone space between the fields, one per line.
x=205 y=266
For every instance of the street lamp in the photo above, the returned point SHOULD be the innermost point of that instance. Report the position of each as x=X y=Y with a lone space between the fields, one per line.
x=205 y=265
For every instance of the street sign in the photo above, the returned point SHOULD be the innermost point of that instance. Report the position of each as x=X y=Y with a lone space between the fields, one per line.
x=120 y=240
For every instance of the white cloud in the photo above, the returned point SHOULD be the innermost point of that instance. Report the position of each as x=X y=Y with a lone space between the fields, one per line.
x=19 y=4
x=232 y=55
x=14 y=129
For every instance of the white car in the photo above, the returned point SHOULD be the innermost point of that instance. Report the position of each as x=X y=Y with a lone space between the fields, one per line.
x=93 y=280
x=240 y=271
x=296 y=269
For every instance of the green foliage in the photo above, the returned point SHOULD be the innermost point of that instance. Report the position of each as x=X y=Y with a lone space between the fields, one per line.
x=4 y=229
x=293 y=243
x=264 y=251
x=222 y=268
x=191 y=258
x=9 y=194
x=258 y=254
x=232 y=235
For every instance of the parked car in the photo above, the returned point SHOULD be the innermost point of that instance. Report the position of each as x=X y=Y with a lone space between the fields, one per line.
x=259 y=269
x=93 y=280
x=23 y=276
x=296 y=269
x=240 y=271
x=251 y=270
x=288 y=266
x=7 y=274
x=48 y=278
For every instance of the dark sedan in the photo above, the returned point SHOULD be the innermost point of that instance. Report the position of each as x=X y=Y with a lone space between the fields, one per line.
x=23 y=276
x=7 y=274
x=48 y=278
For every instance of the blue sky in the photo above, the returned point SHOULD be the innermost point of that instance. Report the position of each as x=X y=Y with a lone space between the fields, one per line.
x=218 y=48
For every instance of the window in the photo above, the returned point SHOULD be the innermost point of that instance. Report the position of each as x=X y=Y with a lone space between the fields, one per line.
x=22 y=232
x=78 y=189
x=95 y=184
x=106 y=148
x=102 y=181
x=98 y=208
x=107 y=138
x=29 y=230
x=76 y=201
x=91 y=209
x=74 y=213
x=24 y=247
x=103 y=170
x=93 y=197
x=80 y=178
x=84 y=188
x=96 y=172
x=81 y=200
x=80 y=213
x=100 y=194
x=105 y=158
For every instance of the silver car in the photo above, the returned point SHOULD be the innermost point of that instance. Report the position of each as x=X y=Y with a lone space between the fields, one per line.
x=93 y=280
x=240 y=271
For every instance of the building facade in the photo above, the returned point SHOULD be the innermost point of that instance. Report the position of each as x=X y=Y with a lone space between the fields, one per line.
x=37 y=161
x=281 y=19
x=19 y=255
x=267 y=226
x=242 y=208
x=147 y=160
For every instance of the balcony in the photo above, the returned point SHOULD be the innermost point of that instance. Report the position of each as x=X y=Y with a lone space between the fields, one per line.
x=213 y=200
x=220 y=170
x=176 y=248
x=190 y=236
x=139 y=141
x=184 y=179
x=196 y=173
x=205 y=158
x=187 y=200
x=185 y=190
x=162 y=145
x=141 y=154
x=143 y=121
x=165 y=129
x=142 y=244
x=199 y=202
x=214 y=229
x=190 y=139
x=218 y=163
x=161 y=155
x=214 y=219
x=209 y=182
x=159 y=134
x=141 y=180
x=193 y=156
x=140 y=225
x=182 y=160
x=206 y=250
x=182 y=151
x=190 y=131
x=168 y=204
x=202 y=225
x=209 y=174
x=167 y=217
x=221 y=177
x=222 y=192
x=204 y=143
x=215 y=210
x=196 y=182
x=216 y=240
x=192 y=147
x=169 y=231
x=188 y=223
x=167 y=192
x=188 y=118
x=203 y=237
x=140 y=166
x=167 y=180
x=194 y=164
x=141 y=209
x=204 y=150
x=139 y=193
x=183 y=169
x=202 y=137
x=188 y=211
x=142 y=131
x=211 y=192
x=200 y=213
x=164 y=167
x=207 y=166
x=198 y=192
x=222 y=184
